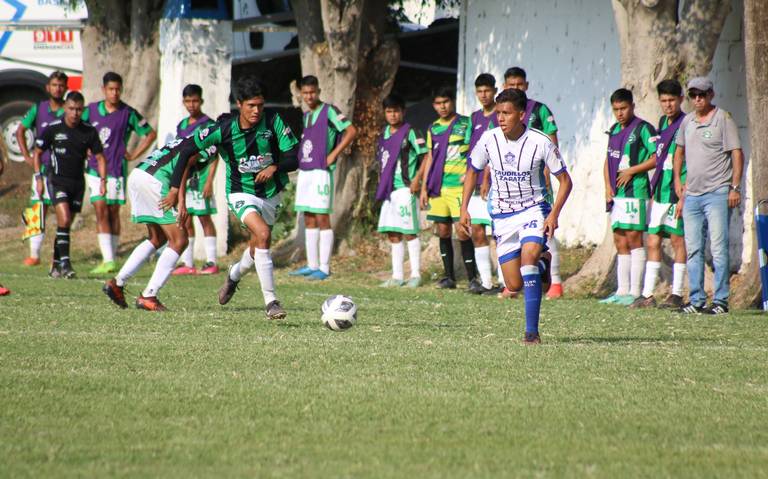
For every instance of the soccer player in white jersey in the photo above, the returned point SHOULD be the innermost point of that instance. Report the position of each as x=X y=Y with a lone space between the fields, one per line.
x=522 y=218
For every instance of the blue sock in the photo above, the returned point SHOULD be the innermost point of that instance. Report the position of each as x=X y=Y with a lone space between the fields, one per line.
x=532 y=292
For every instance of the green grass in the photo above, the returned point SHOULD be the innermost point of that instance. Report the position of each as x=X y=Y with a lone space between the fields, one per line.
x=428 y=384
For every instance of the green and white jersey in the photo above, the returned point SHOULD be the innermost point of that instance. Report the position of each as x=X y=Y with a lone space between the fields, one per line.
x=415 y=147
x=458 y=146
x=640 y=145
x=337 y=123
x=161 y=162
x=245 y=152
x=665 y=188
x=542 y=119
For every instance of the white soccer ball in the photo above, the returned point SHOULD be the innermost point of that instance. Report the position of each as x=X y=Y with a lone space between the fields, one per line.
x=339 y=313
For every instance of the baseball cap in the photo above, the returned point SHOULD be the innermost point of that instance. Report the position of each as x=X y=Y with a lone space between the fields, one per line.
x=700 y=83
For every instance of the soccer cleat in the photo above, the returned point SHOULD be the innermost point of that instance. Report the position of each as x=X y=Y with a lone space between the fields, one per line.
x=673 y=301
x=150 y=304
x=555 y=291
x=531 y=339
x=716 y=309
x=275 y=311
x=4 y=291
x=643 y=302
x=691 y=308
x=66 y=270
x=30 y=261
x=413 y=282
x=392 y=283
x=303 y=271
x=209 y=268
x=104 y=268
x=55 y=272
x=625 y=300
x=184 y=270
x=228 y=289
x=492 y=291
x=612 y=299
x=115 y=293
x=318 y=275
x=475 y=287
x=507 y=294
x=446 y=283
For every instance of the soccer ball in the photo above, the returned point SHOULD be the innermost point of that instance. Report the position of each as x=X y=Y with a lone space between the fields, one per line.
x=339 y=313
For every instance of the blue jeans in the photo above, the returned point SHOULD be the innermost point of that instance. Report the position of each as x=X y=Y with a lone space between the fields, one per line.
x=713 y=208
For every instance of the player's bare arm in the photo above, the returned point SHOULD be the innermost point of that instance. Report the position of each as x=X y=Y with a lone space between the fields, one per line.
x=625 y=175
x=101 y=164
x=424 y=196
x=416 y=181
x=465 y=221
x=607 y=180
x=21 y=133
x=144 y=145
x=734 y=196
x=566 y=185
x=677 y=168
x=208 y=187
x=36 y=165
x=485 y=185
x=346 y=139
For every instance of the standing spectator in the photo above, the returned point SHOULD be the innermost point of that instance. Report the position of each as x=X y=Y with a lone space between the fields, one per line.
x=709 y=145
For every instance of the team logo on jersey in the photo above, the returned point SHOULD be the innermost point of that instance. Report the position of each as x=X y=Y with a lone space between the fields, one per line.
x=265 y=134
x=384 y=158
x=509 y=158
x=45 y=123
x=104 y=135
x=60 y=137
x=39 y=142
x=202 y=133
x=631 y=138
x=706 y=134
x=60 y=151
x=306 y=150
x=477 y=127
x=239 y=204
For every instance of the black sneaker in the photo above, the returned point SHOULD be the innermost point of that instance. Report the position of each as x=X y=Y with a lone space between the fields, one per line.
x=475 y=287
x=643 y=302
x=715 y=309
x=275 y=310
x=690 y=308
x=493 y=290
x=673 y=301
x=67 y=271
x=55 y=272
x=228 y=289
x=446 y=283
x=115 y=293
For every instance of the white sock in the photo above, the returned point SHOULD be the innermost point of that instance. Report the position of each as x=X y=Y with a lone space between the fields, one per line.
x=678 y=275
x=554 y=264
x=163 y=269
x=499 y=273
x=35 y=243
x=136 y=260
x=623 y=262
x=483 y=262
x=414 y=257
x=326 y=248
x=242 y=267
x=105 y=245
x=637 y=260
x=263 y=261
x=651 y=275
x=398 y=256
x=115 y=240
x=210 y=249
x=187 y=257
x=311 y=245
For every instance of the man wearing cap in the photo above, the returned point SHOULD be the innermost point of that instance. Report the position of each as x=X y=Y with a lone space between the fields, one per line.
x=708 y=143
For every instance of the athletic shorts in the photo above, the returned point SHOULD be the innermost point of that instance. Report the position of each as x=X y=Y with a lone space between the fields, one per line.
x=314 y=192
x=241 y=204
x=446 y=208
x=629 y=214
x=478 y=211
x=662 y=220
x=146 y=191
x=115 y=189
x=68 y=190
x=512 y=232
x=197 y=205
x=400 y=213
x=34 y=198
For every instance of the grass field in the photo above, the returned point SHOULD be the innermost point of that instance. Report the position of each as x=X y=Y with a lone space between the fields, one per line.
x=428 y=384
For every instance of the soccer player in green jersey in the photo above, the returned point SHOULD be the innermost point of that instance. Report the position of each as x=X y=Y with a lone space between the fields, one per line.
x=665 y=218
x=258 y=150
x=540 y=117
x=631 y=154
x=37 y=119
x=444 y=169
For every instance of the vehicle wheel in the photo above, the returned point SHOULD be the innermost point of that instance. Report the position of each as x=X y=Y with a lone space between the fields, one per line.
x=11 y=114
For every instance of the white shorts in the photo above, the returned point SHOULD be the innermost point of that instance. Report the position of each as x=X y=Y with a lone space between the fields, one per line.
x=662 y=221
x=400 y=213
x=241 y=204
x=512 y=232
x=314 y=191
x=34 y=197
x=146 y=191
x=629 y=214
x=199 y=205
x=115 y=189
x=478 y=211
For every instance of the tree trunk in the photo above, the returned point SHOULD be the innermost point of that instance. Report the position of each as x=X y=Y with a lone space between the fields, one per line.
x=747 y=288
x=656 y=44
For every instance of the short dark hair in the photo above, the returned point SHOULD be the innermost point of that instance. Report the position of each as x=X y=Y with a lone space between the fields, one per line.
x=622 y=95
x=485 y=79
x=75 y=96
x=669 y=87
x=111 y=77
x=247 y=88
x=192 y=90
x=516 y=72
x=58 y=75
x=512 y=95
x=309 y=80
x=393 y=100
x=444 y=91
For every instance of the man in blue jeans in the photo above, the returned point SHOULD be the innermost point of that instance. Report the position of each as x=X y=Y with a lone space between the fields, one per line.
x=708 y=143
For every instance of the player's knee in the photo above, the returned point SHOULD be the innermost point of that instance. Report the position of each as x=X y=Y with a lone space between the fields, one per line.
x=394 y=237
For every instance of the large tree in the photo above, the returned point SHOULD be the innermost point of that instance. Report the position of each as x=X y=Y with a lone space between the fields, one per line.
x=659 y=39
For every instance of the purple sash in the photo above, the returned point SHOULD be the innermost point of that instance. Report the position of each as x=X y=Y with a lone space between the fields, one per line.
x=663 y=144
x=616 y=144
x=528 y=110
x=191 y=127
x=44 y=118
x=480 y=124
x=387 y=154
x=439 y=154
x=314 y=141
x=112 y=129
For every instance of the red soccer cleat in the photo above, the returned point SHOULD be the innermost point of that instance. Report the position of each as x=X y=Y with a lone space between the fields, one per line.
x=30 y=261
x=115 y=293
x=4 y=291
x=150 y=304
x=555 y=291
x=184 y=271
x=209 y=268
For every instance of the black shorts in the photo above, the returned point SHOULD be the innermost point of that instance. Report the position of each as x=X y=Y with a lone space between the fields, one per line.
x=67 y=190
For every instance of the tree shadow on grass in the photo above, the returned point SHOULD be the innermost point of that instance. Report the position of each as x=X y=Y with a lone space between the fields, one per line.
x=632 y=339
